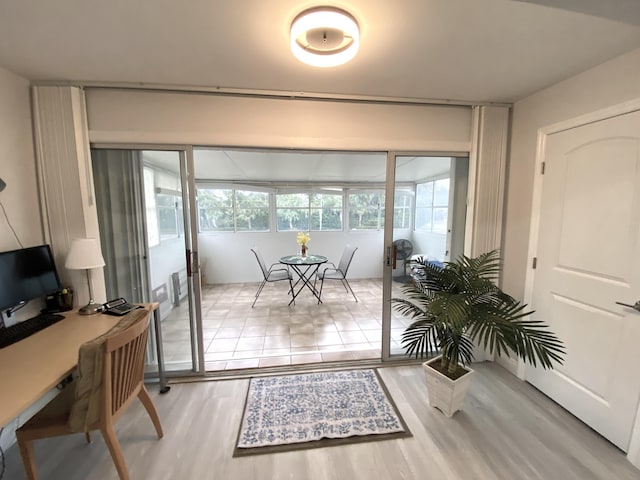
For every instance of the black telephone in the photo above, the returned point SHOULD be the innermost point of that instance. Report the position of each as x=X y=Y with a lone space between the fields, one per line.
x=119 y=306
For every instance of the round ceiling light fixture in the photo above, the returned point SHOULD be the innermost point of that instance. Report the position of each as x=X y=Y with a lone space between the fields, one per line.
x=324 y=37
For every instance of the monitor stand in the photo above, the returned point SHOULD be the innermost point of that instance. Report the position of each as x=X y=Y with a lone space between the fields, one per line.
x=6 y=319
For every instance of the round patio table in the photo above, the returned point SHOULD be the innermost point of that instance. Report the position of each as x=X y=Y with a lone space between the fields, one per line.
x=305 y=267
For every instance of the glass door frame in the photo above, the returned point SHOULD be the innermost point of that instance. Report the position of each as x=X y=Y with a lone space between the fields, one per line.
x=187 y=183
x=195 y=285
x=187 y=178
x=387 y=271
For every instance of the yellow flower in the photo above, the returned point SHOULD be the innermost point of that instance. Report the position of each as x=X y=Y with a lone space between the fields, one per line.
x=303 y=238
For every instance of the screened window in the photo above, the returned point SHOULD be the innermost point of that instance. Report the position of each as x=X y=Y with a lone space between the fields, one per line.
x=229 y=210
x=251 y=211
x=169 y=214
x=215 y=210
x=366 y=210
x=163 y=203
x=432 y=206
x=309 y=211
x=402 y=208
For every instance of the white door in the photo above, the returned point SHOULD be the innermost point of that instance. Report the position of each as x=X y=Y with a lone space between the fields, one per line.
x=588 y=257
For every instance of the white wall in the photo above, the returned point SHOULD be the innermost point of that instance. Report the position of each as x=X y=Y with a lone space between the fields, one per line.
x=20 y=198
x=430 y=245
x=18 y=170
x=18 y=167
x=240 y=265
x=611 y=83
x=188 y=118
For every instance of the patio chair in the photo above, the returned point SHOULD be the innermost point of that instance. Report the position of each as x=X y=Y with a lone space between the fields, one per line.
x=340 y=272
x=110 y=377
x=275 y=273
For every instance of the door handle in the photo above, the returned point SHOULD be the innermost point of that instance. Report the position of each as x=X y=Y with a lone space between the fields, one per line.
x=188 y=255
x=394 y=249
x=391 y=256
x=635 y=306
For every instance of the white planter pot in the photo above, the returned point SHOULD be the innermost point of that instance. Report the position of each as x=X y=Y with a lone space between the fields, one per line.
x=445 y=394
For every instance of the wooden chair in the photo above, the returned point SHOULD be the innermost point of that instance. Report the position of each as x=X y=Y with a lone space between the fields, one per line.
x=110 y=377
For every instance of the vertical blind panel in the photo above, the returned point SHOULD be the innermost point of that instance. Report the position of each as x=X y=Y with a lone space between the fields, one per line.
x=493 y=132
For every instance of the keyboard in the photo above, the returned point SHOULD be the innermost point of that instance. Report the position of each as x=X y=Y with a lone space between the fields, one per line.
x=26 y=328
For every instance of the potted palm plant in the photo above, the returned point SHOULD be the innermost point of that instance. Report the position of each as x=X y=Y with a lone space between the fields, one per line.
x=457 y=303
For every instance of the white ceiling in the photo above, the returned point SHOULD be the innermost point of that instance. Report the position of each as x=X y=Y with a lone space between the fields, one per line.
x=465 y=50
x=295 y=167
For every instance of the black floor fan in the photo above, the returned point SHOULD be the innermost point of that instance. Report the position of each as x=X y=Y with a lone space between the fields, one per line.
x=404 y=249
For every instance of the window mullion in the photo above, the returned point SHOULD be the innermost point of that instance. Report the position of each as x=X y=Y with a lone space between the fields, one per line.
x=433 y=201
x=234 y=204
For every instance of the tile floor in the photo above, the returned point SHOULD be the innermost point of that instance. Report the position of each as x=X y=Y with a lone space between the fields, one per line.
x=237 y=336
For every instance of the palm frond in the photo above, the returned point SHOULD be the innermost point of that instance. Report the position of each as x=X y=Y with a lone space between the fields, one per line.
x=502 y=327
x=420 y=339
x=458 y=303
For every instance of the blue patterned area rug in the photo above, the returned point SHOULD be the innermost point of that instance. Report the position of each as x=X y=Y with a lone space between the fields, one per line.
x=292 y=412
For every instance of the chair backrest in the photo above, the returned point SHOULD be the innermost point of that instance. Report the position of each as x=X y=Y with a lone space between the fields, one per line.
x=345 y=260
x=124 y=357
x=263 y=266
x=88 y=407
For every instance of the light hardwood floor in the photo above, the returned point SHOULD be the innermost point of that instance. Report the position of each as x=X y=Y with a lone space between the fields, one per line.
x=507 y=430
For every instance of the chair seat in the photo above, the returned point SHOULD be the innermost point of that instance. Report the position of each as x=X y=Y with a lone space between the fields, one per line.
x=331 y=274
x=54 y=413
x=276 y=275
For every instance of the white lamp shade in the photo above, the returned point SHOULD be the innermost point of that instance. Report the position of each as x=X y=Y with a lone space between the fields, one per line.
x=84 y=253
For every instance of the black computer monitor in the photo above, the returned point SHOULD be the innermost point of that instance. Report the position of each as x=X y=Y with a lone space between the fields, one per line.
x=27 y=274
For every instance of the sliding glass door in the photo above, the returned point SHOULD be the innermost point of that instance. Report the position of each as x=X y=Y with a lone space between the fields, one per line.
x=143 y=213
x=428 y=217
x=259 y=199
x=391 y=208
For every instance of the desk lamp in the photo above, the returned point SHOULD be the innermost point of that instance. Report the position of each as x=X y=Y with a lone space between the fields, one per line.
x=85 y=254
